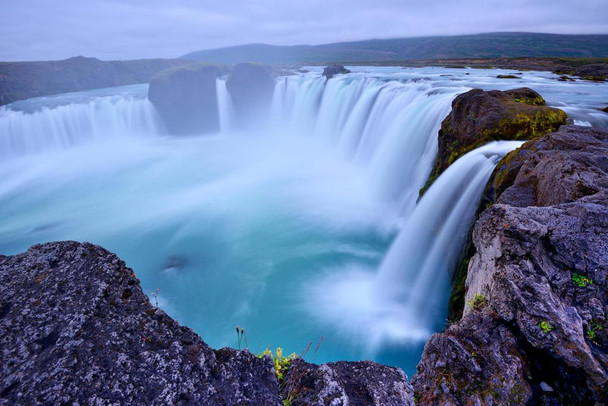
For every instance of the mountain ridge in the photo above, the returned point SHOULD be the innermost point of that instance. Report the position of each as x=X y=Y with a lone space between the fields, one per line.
x=486 y=45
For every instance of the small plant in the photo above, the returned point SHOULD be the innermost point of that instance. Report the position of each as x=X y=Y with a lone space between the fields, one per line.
x=478 y=302
x=155 y=296
x=281 y=362
x=545 y=326
x=241 y=337
x=593 y=329
x=581 y=281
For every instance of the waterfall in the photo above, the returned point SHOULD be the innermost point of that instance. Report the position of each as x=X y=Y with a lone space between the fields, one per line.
x=225 y=108
x=405 y=298
x=387 y=127
x=62 y=121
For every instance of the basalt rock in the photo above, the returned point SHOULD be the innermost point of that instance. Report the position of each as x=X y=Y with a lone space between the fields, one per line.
x=333 y=70
x=251 y=87
x=478 y=117
x=186 y=98
x=76 y=328
x=346 y=383
x=535 y=322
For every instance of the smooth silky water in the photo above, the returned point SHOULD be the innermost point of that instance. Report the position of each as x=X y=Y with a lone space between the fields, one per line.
x=306 y=227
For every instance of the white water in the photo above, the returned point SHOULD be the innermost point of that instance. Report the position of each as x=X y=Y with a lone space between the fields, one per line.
x=39 y=128
x=308 y=228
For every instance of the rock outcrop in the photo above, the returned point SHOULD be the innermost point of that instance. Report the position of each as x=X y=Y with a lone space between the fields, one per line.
x=346 y=383
x=75 y=327
x=333 y=70
x=22 y=80
x=251 y=87
x=535 y=327
x=186 y=98
x=478 y=117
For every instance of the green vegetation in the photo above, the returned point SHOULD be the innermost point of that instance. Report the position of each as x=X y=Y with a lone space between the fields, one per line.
x=478 y=302
x=593 y=330
x=580 y=280
x=281 y=362
x=545 y=326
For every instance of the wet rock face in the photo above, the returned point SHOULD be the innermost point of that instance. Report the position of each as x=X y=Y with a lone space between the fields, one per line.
x=346 y=383
x=251 y=87
x=540 y=277
x=333 y=70
x=186 y=98
x=478 y=117
x=76 y=327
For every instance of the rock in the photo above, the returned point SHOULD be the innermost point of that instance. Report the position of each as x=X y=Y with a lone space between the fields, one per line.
x=605 y=109
x=76 y=327
x=507 y=77
x=333 y=70
x=478 y=117
x=186 y=98
x=565 y=78
x=346 y=383
x=461 y=365
x=22 y=80
x=541 y=266
x=251 y=87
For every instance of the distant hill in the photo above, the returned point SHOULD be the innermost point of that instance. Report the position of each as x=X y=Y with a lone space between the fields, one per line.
x=22 y=80
x=494 y=45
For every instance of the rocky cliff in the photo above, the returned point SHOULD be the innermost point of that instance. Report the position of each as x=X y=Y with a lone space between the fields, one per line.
x=22 y=80
x=478 y=117
x=76 y=327
x=534 y=328
x=186 y=98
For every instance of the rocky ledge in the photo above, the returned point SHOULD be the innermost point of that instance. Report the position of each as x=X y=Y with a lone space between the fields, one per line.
x=479 y=116
x=75 y=327
x=534 y=329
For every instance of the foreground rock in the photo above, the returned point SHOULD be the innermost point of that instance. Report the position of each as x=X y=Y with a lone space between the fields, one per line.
x=333 y=70
x=22 y=80
x=534 y=328
x=478 y=117
x=75 y=327
x=346 y=383
x=186 y=98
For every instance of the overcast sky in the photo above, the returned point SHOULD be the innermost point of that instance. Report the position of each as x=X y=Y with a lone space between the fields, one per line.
x=58 y=29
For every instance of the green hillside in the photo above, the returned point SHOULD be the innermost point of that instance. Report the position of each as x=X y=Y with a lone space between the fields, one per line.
x=494 y=45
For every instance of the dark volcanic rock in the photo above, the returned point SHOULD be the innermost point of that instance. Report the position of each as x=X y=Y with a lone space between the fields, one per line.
x=186 y=98
x=478 y=117
x=541 y=268
x=22 y=80
x=333 y=70
x=507 y=77
x=76 y=327
x=346 y=383
x=251 y=87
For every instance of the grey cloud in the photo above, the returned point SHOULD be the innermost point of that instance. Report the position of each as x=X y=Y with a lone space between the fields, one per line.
x=38 y=30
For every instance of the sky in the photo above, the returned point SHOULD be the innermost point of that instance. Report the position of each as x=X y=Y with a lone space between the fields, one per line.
x=111 y=30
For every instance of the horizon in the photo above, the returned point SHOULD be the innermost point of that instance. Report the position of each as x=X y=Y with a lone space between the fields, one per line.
x=307 y=45
x=116 y=30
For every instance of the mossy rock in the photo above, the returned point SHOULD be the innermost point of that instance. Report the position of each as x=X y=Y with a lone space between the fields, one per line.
x=478 y=117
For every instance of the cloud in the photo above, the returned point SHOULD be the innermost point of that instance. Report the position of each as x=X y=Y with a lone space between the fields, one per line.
x=40 y=30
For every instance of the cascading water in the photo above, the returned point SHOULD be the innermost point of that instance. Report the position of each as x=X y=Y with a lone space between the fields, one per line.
x=33 y=126
x=306 y=228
